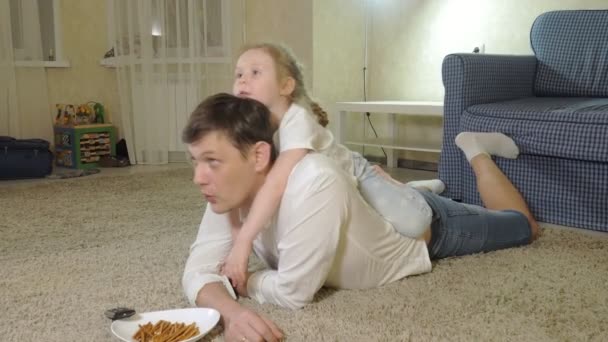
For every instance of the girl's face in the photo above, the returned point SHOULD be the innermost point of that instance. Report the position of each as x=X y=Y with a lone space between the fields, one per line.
x=256 y=77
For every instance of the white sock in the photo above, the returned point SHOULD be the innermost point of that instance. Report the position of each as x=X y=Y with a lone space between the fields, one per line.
x=492 y=144
x=435 y=186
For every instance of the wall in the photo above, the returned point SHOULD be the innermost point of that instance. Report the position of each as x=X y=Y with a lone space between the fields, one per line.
x=282 y=21
x=338 y=55
x=35 y=119
x=422 y=32
x=85 y=40
x=409 y=39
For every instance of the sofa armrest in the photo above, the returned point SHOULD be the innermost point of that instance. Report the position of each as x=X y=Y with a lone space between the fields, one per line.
x=471 y=79
x=479 y=78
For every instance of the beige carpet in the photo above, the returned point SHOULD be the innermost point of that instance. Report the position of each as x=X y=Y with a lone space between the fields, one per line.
x=72 y=248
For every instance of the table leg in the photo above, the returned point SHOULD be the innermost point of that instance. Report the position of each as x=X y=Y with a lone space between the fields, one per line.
x=391 y=154
x=340 y=127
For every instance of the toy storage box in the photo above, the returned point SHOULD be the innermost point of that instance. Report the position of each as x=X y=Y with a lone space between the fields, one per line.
x=81 y=147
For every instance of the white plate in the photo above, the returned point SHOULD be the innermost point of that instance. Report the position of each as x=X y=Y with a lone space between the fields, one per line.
x=204 y=318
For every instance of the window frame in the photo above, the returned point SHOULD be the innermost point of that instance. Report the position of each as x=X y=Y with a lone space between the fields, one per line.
x=220 y=54
x=59 y=61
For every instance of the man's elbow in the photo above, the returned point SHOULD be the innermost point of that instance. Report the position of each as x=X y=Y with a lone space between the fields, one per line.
x=294 y=304
x=295 y=301
x=187 y=288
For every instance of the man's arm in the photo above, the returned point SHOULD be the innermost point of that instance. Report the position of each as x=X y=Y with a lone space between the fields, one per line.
x=212 y=244
x=239 y=322
x=206 y=288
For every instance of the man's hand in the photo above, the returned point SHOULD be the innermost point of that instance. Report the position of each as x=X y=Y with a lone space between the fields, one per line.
x=240 y=323
x=235 y=265
x=244 y=324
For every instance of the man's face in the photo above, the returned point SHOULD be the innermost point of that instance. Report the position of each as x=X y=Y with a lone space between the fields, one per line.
x=224 y=176
x=256 y=77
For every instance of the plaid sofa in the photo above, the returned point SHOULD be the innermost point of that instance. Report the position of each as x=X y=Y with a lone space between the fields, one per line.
x=554 y=104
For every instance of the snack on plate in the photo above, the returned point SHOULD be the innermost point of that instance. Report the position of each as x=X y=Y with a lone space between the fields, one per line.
x=164 y=331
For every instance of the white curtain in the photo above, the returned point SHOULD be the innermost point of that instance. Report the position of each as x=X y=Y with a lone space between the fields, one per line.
x=169 y=55
x=24 y=105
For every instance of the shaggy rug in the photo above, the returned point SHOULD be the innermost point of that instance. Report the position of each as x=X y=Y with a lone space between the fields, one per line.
x=72 y=248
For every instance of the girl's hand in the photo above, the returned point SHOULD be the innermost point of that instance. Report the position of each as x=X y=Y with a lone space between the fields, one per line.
x=235 y=265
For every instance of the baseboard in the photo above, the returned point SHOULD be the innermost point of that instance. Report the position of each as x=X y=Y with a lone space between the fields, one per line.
x=375 y=159
x=178 y=157
x=417 y=164
x=406 y=163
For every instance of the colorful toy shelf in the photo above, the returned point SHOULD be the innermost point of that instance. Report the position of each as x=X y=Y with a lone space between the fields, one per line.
x=82 y=146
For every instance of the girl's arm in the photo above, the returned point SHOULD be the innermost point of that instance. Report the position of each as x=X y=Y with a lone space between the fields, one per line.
x=268 y=198
x=264 y=206
x=235 y=223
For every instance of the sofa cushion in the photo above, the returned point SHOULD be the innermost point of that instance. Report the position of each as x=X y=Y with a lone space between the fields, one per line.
x=573 y=128
x=572 y=52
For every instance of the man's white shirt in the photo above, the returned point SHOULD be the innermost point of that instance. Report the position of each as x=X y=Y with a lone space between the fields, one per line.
x=324 y=234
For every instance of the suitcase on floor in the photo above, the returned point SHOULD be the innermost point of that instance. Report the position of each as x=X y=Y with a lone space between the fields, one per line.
x=24 y=158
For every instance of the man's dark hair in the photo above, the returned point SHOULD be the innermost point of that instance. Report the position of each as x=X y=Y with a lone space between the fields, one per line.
x=244 y=122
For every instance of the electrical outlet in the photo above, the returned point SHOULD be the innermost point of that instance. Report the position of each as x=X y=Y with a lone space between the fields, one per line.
x=481 y=48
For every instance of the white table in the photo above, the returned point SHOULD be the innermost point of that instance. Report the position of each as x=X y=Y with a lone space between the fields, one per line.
x=392 y=108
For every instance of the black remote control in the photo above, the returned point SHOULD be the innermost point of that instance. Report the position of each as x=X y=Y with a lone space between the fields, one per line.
x=119 y=313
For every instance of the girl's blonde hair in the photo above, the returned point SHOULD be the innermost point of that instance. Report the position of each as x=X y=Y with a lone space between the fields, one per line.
x=288 y=66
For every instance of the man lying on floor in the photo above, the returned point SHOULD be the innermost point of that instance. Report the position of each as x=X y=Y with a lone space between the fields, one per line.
x=324 y=233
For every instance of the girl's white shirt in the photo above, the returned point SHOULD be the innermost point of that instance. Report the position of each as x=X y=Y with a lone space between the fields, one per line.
x=300 y=128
